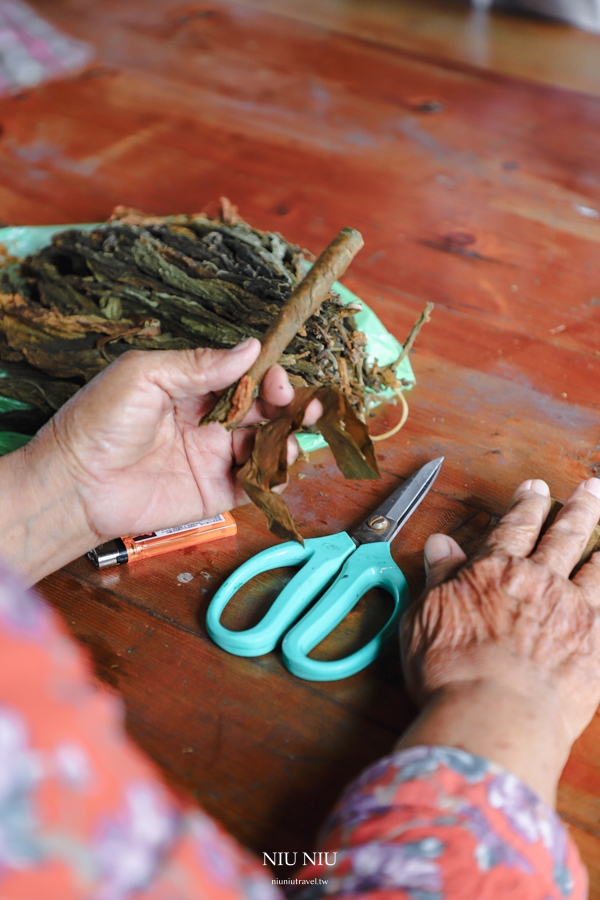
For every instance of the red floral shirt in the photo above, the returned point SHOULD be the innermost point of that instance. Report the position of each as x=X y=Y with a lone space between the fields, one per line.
x=85 y=816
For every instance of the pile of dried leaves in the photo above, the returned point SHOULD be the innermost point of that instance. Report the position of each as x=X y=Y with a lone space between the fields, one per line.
x=164 y=283
x=195 y=281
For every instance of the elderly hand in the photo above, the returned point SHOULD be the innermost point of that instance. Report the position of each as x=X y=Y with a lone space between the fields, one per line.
x=126 y=455
x=503 y=652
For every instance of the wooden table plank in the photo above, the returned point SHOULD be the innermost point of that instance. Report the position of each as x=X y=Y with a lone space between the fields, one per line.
x=487 y=207
x=525 y=47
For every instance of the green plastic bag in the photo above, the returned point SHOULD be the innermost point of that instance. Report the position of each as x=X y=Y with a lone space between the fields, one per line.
x=381 y=345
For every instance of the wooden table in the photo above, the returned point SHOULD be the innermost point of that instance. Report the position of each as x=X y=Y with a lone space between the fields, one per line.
x=485 y=202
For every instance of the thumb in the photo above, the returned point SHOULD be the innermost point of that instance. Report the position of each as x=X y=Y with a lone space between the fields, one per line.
x=217 y=369
x=443 y=557
x=191 y=373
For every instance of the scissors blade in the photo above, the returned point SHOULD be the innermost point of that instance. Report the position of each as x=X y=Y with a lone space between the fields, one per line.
x=387 y=520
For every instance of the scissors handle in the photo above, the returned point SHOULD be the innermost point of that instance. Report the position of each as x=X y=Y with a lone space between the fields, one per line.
x=371 y=565
x=322 y=557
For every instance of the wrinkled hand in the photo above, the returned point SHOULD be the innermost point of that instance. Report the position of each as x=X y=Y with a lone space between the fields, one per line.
x=131 y=445
x=513 y=617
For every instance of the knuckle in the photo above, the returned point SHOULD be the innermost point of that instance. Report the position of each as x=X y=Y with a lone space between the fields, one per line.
x=517 y=531
x=529 y=504
x=583 y=506
x=523 y=516
x=525 y=527
x=572 y=530
x=488 y=567
x=132 y=359
x=199 y=354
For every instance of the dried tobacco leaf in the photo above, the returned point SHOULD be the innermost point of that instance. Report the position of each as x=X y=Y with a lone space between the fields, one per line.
x=347 y=435
x=22 y=421
x=170 y=283
x=22 y=382
x=422 y=319
x=267 y=467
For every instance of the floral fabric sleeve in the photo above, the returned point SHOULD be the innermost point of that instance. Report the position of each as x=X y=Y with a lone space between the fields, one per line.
x=33 y=51
x=437 y=823
x=84 y=816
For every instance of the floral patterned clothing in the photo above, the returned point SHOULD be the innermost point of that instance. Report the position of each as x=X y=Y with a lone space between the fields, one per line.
x=436 y=823
x=84 y=815
x=32 y=50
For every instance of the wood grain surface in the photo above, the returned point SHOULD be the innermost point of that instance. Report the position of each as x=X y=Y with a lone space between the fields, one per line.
x=489 y=206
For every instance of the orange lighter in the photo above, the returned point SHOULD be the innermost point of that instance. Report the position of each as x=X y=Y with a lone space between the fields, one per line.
x=123 y=550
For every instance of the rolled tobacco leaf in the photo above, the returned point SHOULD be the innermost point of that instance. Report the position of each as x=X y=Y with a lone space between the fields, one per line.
x=304 y=301
x=267 y=467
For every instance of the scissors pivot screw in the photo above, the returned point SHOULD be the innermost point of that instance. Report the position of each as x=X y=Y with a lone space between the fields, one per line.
x=378 y=523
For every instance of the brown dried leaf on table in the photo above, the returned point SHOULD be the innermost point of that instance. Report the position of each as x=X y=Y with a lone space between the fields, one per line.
x=267 y=467
x=346 y=435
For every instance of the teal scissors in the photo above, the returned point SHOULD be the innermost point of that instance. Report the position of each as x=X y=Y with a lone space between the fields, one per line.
x=361 y=560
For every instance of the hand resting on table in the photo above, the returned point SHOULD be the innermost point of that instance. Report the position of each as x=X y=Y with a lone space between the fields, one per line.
x=503 y=652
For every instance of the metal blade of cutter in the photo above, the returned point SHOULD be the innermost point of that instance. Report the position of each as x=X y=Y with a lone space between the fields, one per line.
x=385 y=523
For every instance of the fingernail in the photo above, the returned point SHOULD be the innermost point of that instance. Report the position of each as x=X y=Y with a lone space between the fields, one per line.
x=242 y=346
x=593 y=486
x=437 y=547
x=540 y=487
